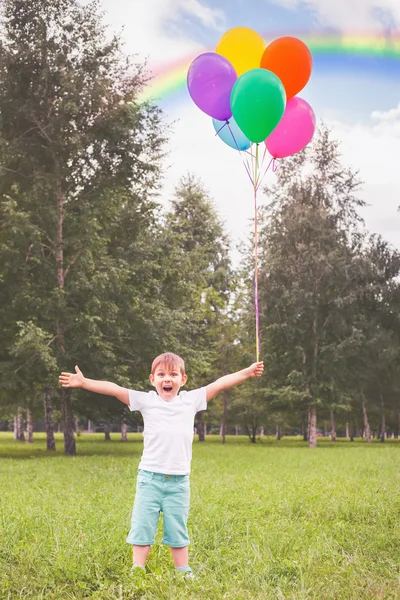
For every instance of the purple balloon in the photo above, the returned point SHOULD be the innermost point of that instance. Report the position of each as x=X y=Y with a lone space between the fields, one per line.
x=210 y=80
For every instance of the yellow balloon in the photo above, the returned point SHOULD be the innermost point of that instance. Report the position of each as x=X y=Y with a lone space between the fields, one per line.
x=243 y=47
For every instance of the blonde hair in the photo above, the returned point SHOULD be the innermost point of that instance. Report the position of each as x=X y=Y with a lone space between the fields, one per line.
x=170 y=361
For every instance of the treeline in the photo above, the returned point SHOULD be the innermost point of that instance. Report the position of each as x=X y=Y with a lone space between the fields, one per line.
x=94 y=272
x=330 y=302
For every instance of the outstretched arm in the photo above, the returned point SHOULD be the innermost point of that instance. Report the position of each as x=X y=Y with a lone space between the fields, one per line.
x=77 y=380
x=228 y=381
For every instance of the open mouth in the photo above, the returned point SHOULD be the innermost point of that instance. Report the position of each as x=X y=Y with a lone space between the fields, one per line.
x=167 y=388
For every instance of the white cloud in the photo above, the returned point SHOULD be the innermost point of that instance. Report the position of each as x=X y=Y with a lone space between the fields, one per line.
x=389 y=115
x=374 y=150
x=351 y=15
x=209 y=17
x=387 y=121
x=156 y=28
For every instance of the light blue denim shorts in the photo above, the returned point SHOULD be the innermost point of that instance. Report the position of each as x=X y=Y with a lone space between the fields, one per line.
x=156 y=493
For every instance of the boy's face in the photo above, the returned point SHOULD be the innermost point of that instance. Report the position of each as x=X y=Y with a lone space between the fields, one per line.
x=168 y=381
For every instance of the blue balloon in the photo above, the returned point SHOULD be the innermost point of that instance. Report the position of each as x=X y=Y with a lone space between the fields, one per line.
x=229 y=132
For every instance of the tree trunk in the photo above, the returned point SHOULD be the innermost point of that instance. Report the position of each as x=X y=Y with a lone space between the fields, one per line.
x=15 y=427
x=305 y=429
x=236 y=429
x=224 y=421
x=278 y=432
x=312 y=442
x=48 y=420
x=347 y=431
x=124 y=437
x=200 y=426
x=309 y=424
x=367 y=429
x=68 y=423
x=29 y=426
x=383 y=421
x=262 y=433
x=76 y=425
x=333 y=427
x=251 y=434
x=65 y=396
x=224 y=417
x=107 y=437
x=20 y=425
x=312 y=438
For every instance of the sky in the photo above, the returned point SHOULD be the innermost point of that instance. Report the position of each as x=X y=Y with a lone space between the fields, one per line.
x=359 y=100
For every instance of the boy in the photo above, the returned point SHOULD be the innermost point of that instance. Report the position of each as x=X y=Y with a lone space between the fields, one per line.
x=163 y=477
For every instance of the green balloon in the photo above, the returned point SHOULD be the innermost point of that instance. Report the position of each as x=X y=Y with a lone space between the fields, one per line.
x=258 y=101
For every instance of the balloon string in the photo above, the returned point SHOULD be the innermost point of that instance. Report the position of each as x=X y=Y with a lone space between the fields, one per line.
x=270 y=164
x=263 y=159
x=221 y=128
x=255 y=165
x=248 y=170
x=255 y=187
x=254 y=173
x=240 y=152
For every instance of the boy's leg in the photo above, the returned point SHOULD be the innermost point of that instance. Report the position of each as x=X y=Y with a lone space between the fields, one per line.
x=140 y=554
x=145 y=515
x=180 y=556
x=176 y=510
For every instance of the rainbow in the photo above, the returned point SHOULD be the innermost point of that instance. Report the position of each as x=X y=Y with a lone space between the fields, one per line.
x=362 y=51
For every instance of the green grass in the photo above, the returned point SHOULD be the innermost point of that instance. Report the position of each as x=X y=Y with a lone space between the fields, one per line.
x=273 y=520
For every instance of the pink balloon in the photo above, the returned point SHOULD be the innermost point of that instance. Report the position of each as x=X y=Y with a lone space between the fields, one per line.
x=294 y=131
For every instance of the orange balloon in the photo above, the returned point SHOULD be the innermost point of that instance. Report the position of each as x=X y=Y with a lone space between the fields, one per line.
x=290 y=59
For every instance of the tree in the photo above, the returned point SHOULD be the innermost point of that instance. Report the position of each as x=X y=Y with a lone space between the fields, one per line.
x=309 y=240
x=372 y=347
x=34 y=363
x=196 y=282
x=78 y=155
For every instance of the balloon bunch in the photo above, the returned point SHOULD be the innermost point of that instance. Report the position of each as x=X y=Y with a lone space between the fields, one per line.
x=252 y=88
x=249 y=89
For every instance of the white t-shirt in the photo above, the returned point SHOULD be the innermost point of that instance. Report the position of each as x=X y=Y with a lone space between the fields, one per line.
x=168 y=429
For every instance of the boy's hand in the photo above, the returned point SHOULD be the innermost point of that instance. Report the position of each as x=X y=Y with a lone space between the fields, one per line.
x=71 y=380
x=256 y=369
x=228 y=381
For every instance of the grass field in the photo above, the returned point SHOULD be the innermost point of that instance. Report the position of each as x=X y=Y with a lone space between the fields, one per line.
x=273 y=520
